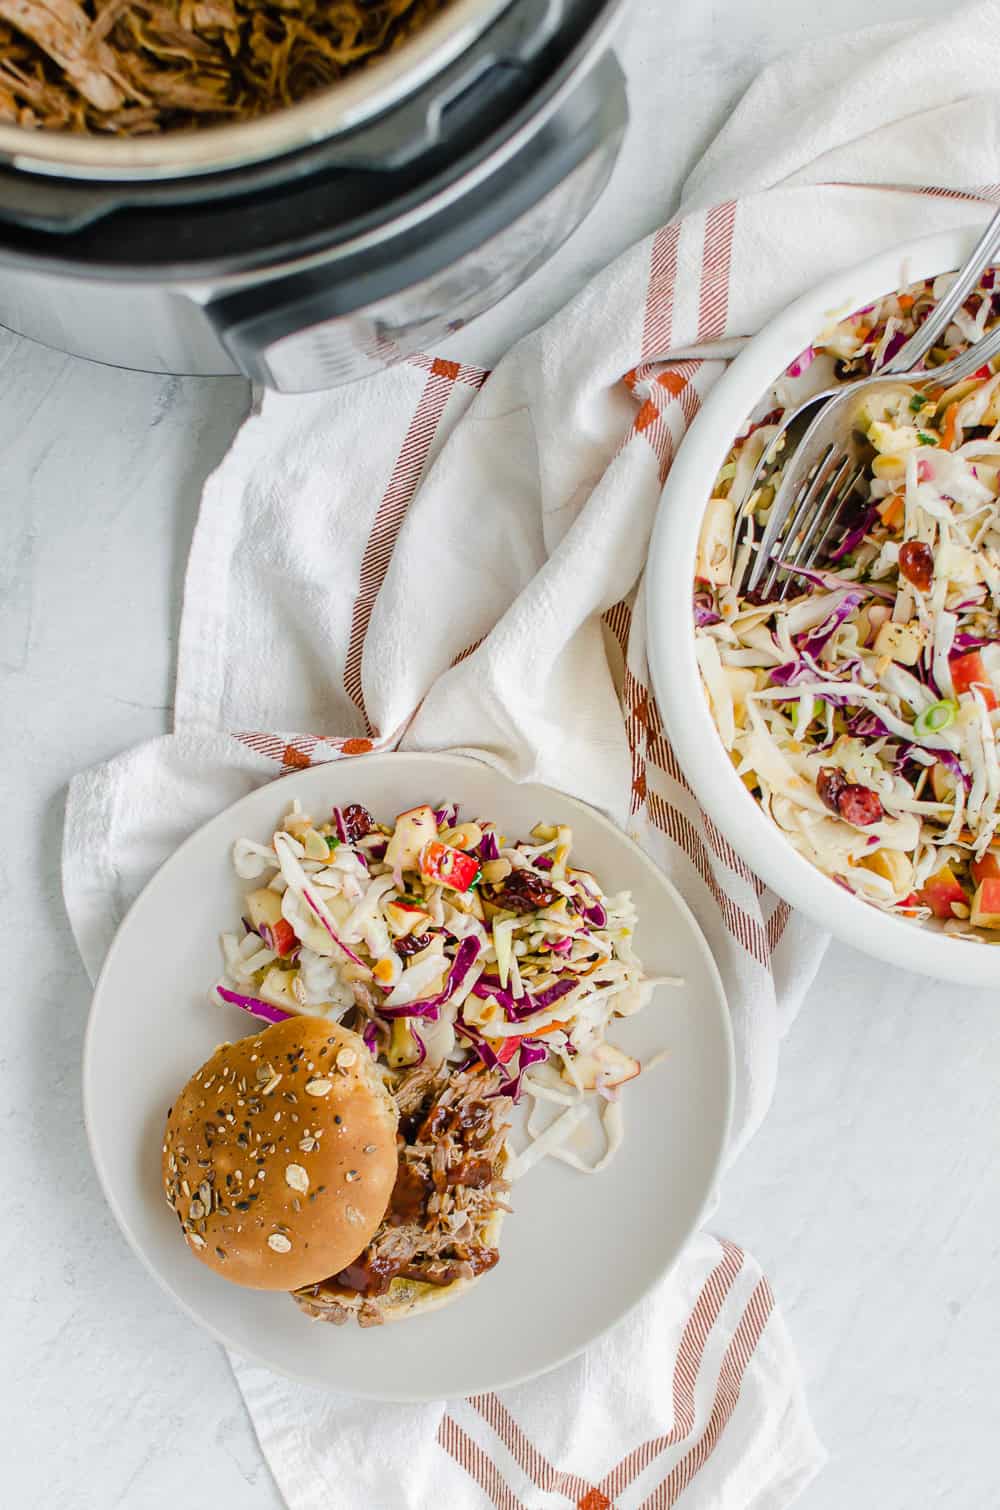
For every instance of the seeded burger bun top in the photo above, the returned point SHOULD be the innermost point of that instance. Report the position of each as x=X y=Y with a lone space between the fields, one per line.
x=279 y=1155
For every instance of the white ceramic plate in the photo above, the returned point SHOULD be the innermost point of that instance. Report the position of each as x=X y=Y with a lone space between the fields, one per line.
x=577 y=1252
x=670 y=575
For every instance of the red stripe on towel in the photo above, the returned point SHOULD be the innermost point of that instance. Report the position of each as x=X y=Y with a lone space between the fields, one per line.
x=389 y=518
x=734 y=1366
x=713 y=304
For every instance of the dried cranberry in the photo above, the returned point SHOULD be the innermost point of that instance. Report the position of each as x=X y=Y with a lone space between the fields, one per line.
x=860 y=805
x=357 y=821
x=830 y=784
x=523 y=891
x=916 y=564
x=848 y=799
x=410 y=945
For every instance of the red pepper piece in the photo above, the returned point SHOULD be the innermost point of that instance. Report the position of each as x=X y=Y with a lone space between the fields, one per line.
x=447 y=866
x=968 y=671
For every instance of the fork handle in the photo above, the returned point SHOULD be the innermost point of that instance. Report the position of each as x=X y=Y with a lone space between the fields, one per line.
x=912 y=353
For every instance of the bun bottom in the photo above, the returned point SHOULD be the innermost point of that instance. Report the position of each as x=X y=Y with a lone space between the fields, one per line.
x=403 y=1299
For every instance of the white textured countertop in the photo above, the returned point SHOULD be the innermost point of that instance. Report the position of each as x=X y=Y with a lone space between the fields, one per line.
x=870 y=1196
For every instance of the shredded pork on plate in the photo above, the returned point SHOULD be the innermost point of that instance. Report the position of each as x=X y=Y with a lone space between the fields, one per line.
x=133 y=67
x=447 y=1191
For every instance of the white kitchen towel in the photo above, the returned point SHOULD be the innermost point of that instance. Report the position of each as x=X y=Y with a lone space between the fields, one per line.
x=434 y=560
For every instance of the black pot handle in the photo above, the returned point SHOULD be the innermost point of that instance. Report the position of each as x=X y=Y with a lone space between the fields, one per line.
x=354 y=310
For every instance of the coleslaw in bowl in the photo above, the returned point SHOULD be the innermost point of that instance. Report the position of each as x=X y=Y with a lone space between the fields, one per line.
x=849 y=747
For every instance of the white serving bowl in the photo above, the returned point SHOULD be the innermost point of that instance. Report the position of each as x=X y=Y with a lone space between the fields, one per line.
x=670 y=578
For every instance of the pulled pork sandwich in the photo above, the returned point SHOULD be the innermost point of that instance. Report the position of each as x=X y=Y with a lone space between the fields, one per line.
x=135 y=67
x=291 y=1164
x=279 y=1155
x=440 y=1231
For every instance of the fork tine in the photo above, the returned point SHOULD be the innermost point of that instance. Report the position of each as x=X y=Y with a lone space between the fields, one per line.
x=834 y=517
x=825 y=504
x=812 y=496
x=827 y=511
x=775 y=529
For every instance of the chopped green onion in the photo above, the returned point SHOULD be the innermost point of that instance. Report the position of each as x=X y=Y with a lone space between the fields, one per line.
x=925 y=439
x=935 y=718
x=332 y=842
x=918 y=402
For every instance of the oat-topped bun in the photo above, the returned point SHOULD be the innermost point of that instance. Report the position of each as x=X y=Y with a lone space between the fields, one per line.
x=279 y=1155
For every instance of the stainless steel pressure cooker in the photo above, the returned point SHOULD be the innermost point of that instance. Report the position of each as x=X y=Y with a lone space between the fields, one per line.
x=309 y=247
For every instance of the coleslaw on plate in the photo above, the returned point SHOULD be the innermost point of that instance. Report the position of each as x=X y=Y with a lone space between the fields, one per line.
x=863 y=710
x=448 y=946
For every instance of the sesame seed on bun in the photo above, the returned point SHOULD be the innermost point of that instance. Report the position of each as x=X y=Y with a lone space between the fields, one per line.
x=279 y=1155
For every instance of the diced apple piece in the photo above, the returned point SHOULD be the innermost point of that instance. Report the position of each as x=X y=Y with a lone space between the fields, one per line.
x=276 y=988
x=986 y=904
x=413 y=830
x=893 y=439
x=893 y=866
x=958 y=564
x=604 y=1066
x=263 y=906
x=264 y=914
x=942 y=889
x=715 y=548
x=403 y=920
x=901 y=642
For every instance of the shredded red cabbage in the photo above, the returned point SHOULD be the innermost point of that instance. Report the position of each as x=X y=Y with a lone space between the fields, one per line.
x=516 y=1009
x=972 y=641
x=482 y=1048
x=254 y=1005
x=465 y=957
x=950 y=759
x=543 y=862
x=529 y=1054
x=447 y=816
x=895 y=343
x=340 y=825
x=370 y=1036
x=704 y=608
x=854 y=537
x=489 y=849
x=816 y=640
x=830 y=580
x=865 y=725
x=553 y=993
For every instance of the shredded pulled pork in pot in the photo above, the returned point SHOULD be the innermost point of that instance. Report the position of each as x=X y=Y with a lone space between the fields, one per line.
x=449 y=1186
x=134 y=67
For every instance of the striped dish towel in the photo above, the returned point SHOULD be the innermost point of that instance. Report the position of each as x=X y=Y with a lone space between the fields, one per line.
x=444 y=559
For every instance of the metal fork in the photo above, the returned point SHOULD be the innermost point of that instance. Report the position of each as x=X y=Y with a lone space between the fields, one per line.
x=825 y=470
x=910 y=354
